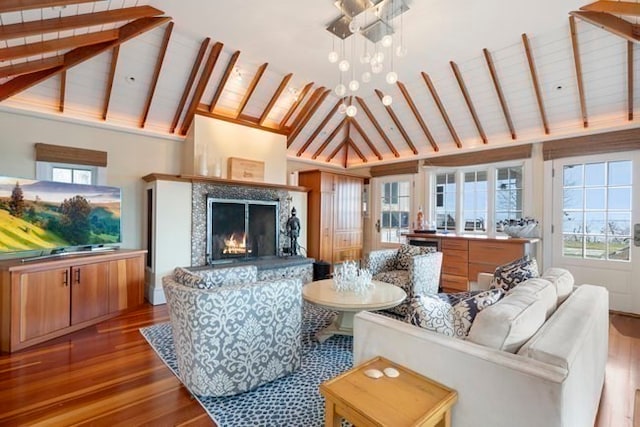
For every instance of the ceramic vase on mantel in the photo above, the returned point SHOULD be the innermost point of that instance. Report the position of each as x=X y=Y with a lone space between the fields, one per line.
x=202 y=165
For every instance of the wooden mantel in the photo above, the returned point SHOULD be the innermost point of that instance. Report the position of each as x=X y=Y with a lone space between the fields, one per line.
x=196 y=178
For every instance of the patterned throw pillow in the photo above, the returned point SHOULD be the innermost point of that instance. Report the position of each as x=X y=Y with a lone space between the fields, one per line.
x=509 y=275
x=189 y=279
x=432 y=313
x=406 y=252
x=465 y=312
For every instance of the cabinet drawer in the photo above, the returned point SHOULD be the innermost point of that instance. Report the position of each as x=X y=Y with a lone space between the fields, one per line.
x=459 y=244
x=456 y=283
x=455 y=262
x=494 y=252
x=475 y=268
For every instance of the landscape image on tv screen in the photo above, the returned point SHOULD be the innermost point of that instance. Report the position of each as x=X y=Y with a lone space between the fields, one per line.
x=40 y=215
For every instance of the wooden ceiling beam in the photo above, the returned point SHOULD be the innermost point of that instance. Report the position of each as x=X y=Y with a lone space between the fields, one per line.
x=156 y=73
x=63 y=91
x=203 y=110
x=468 y=101
x=308 y=115
x=611 y=23
x=251 y=89
x=417 y=115
x=307 y=106
x=329 y=139
x=614 y=7
x=201 y=86
x=79 y=55
x=442 y=109
x=223 y=81
x=578 y=65
x=366 y=138
x=112 y=73
x=54 y=25
x=337 y=149
x=187 y=88
x=31 y=66
x=496 y=85
x=629 y=80
x=355 y=148
x=318 y=129
x=535 y=82
x=274 y=98
x=39 y=48
x=18 y=5
x=375 y=124
x=296 y=103
x=396 y=120
x=345 y=159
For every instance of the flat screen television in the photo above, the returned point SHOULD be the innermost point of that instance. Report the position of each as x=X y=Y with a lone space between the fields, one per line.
x=46 y=217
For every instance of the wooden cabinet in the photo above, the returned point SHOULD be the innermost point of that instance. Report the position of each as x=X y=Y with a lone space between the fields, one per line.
x=455 y=264
x=334 y=208
x=45 y=299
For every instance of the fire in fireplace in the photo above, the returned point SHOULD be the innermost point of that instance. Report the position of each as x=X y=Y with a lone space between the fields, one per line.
x=241 y=229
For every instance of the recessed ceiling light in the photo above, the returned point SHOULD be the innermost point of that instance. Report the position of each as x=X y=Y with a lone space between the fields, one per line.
x=130 y=79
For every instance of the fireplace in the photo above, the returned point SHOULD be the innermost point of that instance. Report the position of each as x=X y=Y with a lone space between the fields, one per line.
x=241 y=229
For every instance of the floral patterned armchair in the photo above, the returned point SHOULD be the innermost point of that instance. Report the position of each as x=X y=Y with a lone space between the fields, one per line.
x=232 y=333
x=413 y=268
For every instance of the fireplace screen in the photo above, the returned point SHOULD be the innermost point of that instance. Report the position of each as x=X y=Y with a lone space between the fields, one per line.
x=241 y=229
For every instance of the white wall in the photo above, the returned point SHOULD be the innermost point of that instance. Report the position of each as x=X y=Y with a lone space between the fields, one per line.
x=130 y=157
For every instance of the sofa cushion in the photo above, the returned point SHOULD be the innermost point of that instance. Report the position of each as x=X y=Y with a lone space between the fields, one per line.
x=433 y=313
x=465 y=311
x=406 y=252
x=508 y=324
x=189 y=279
x=542 y=289
x=395 y=277
x=509 y=275
x=562 y=280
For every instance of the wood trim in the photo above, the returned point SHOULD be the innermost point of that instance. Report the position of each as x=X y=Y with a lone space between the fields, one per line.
x=54 y=45
x=274 y=97
x=496 y=85
x=607 y=22
x=63 y=91
x=307 y=106
x=72 y=155
x=536 y=84
x=196 y=178
x=468 y=101
x=578 y=64
x=112 y=73
x=32 y=28
x=305 y=120
x=214 y=54
x=31 y=66
x=187 y=88
x=403 y=168
x=322 y=125
x=251 y=89
x=630 y=80
x=346 y=154
x=79 y=55
x=494 y=155
x=396 y=120
x=337 y=149
x=295 y=104
x=441 y=108
x=357 y=151
x=156 y=73
x=417 y=115
x=329 y=139
x=17 y=5
x=366 y=138
x=614 y=7
x=375 y=124
x=252 y=122
x=609 y=142
x=223 y=80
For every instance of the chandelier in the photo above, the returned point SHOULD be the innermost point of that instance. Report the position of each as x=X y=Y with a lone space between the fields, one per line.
x=372 y=20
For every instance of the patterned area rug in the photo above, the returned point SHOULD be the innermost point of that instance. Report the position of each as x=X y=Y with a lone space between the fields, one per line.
x=294 y=400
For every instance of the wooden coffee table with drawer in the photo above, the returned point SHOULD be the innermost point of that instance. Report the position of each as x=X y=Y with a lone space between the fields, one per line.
x=407 y=400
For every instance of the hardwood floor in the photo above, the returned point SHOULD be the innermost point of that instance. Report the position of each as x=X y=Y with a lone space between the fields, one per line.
x=108 y=375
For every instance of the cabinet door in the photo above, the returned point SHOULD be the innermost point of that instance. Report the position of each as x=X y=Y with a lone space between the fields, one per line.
x=126 y=283
x=326 y=226
x=44 y=302
x=89 y=291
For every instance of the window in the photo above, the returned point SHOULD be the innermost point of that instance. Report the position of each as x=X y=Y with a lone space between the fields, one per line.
x=475 y=201
x=395 y=209
x=596 y=202
x=70 y=173
x=508 y=193
x=445 y=203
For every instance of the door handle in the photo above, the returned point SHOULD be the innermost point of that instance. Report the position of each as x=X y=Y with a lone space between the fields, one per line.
x=378 y=226
x=65 y=278
x=78 y=276
x=636 y=234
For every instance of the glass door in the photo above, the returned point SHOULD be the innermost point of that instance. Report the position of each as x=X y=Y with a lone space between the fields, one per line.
x=392 y=210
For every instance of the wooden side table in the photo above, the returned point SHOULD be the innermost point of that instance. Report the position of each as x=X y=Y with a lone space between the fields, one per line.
x=407 y=400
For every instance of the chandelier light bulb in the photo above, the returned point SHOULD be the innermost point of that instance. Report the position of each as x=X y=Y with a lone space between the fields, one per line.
x=354 y=85
x=351 y=110
x=386 y=41
x=379 y=56
x=344 y=65
x=376 y=67
x=365 y=58
x=392 y=77
x=354 y=26
x=340 y=90
x=342 y=109
x=366 y=77
x=401 y=51
x=333 y=57
x=387 y=100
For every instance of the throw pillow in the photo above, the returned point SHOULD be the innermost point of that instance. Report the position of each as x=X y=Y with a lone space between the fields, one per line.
x=189 y=279
x=432 y=313
x=465 y=312
x=406 y=252
x=509 y=275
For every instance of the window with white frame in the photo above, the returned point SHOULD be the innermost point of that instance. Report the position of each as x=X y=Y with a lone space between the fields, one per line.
x=445 y=201
x=475 y=203
x=69 y=173
x=508 y=193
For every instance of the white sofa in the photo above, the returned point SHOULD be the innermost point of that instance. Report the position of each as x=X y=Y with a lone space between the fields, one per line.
x=554 y=379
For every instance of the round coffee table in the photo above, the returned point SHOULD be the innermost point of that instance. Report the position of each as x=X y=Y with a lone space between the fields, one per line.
x=379 y=297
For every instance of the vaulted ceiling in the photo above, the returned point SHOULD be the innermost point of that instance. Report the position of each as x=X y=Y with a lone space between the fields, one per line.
x=475 y=77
